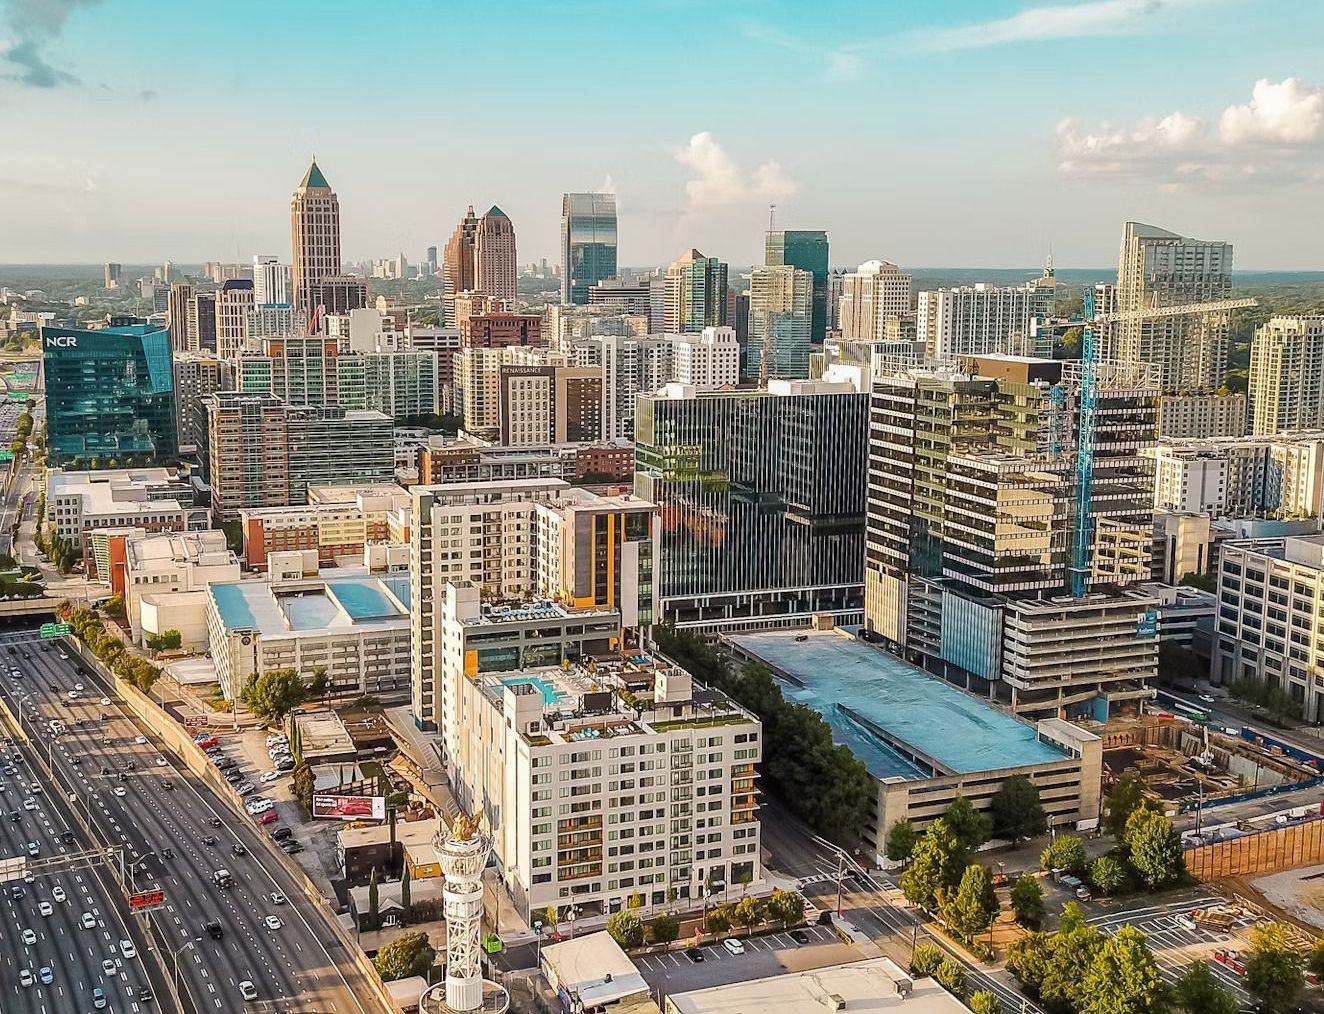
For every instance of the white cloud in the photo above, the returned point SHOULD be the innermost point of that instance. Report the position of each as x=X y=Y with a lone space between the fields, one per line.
x=1272 y=138
x=840 y=63
x=721 y=182
x=1289 y=112
x=1055 y=21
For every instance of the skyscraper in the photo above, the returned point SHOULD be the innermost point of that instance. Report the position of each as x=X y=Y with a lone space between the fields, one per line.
x=110 y=275
x=495 y=263
x=806 y=249
x=870 y=294
x=315 y=227
x=695 y=294
x=271 y=280
x=981 y=320
x=780 y=321
x=181 y=295
x=1287 y=375
x=1157 y=268
x=234 y=302
x=588 y=243
x=457 y=266
x=431 y=260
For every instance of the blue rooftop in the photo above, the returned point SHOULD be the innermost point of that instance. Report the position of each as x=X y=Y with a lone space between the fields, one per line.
x=362 y=601
x=233 y=606
x=550 y=695
x=869 y=697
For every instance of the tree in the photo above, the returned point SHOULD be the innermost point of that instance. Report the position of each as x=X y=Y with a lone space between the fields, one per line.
x=374 y=904
x=304 y=784
x=951 y=977
x=786 y=907
x=1127 y=796
x=1027 y=901
x=550 y=918
x=901 y=839
x=664 y=929
x=1155 y=848
x=1274 y=968
x=1199 y=992
x=1123 y=978
x=320 y=683
x=720 y=918
x=626 y=929
x=1071 y=919
x=925 y=960
x=749 y=912
x=969 y=911
x=1106 y=874
x=1070 y=955
x=405 y=956
x=971 y=827
x=404 y=894
x=274 y=694
x=985 y=1002
x=1016 y=811
x=1315 y=960
x=936 y=866
x=1066 y=852
x=1027 y=960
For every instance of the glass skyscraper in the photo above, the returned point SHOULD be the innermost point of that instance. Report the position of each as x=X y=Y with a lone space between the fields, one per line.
x=806 y=249
x=109 y=394
x=588 y=243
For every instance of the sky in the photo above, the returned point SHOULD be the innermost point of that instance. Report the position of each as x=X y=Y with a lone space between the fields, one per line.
x=956 y=133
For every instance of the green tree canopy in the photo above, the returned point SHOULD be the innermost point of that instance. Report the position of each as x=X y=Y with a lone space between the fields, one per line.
x=626 y=929
x=664 y=929
x=901 y=839
x=1066 y=852
x=1198 y=991
x=720 y=918
x=1070 y=956
x=951 y=977
x=405 y=956
x=1155 y=848
x=1127 y=796
x=971 y=827
x=1106 y=874
x=749 y=911
x=274 y=694
x=786 y=907
x=969 y=910
x=936 y=866
x=1027 y=901
x=1123 y=978
x=925 y=960
x=985 y=1002
x=1016 y=811
x=1274 y=968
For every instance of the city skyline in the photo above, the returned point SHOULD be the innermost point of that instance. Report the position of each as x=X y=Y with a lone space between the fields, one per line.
x=1069 y=140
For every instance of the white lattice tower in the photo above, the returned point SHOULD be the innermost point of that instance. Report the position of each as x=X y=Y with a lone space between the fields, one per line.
x=462 y=860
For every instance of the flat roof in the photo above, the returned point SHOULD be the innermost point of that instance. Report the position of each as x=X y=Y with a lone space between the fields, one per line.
x=869 y=696
x=332 y=604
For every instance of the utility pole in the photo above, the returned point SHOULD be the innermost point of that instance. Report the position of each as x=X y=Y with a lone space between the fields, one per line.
x=841 y=878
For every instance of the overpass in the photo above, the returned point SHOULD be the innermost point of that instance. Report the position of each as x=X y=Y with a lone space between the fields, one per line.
x=14 y=608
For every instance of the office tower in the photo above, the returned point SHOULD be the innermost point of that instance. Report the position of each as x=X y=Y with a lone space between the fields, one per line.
x=588 y=243
x=403 y=384
x=706 y=361
x=338 y=294
x=1202 y=416
x=264 y=453
x=495 y=261
x=273 y=320
x=808 y=251
x=181 y=298
x=695 y=294
x=109 y=395
x=621 y=296
x=983 y=320
x=1287 y=375
x=836 y=285
x=272 y=283
x=431 y=260
x=315 y=227
x=762 y=493
x=1157 y=269
x=110 y=275
x=220 y=272
x=201 y=323
x=972 y=496
x=458 y=268
x=234 y=302
x=198 y=375
x=159 y=293
x=780 y=322
x=870 y=294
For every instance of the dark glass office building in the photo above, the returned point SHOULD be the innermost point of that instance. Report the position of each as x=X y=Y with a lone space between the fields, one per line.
x=588 y=244
x=806 y=249
x=109 y=394
x=762 y=503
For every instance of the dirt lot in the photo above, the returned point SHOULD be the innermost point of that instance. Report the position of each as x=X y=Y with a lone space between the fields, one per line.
x=1300 y=892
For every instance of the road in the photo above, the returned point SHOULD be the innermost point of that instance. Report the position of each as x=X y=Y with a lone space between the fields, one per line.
x=297 y=967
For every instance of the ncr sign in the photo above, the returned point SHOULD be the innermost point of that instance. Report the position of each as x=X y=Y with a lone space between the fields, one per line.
x=62 y=341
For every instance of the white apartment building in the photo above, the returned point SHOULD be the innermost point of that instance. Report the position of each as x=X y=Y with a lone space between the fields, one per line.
x=631 y=365
x=272 y=281
x=982 y=320
x=234 y=302
x=1282 y=476
x=1201 y=416
x=870 y=294
x=1287 y=375
x=602 y=778
x=709 y=360
x=1271 y=617
x=156 y=565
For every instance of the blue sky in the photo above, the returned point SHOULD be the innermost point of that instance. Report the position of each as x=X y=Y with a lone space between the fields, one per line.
x=958 y=133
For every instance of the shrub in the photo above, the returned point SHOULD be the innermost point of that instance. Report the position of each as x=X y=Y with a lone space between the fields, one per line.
x=925 y=960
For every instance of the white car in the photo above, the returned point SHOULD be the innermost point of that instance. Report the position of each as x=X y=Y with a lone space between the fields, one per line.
x=128 y=950
x=733 y=945
x=1185 y=921
x=78 y=687
x=89 y=921
x=277 y=898
x=270 y=776
x=273 y=922
x=274 y=739
x=72 y=695
x=119 y=790
x=29 y=937
x=34 y=849
x=45 y=908
x=140 y=740
x=258 y=804
x=29 y=803
x=161 y=762
x=45 y=975
x=25 y=977
x=64 y=655
x=58 y=893
x=247 y=990
x=1207 y=698
x=108 y=968
x=105 y=702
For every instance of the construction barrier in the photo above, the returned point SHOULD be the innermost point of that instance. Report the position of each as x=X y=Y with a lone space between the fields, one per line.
x=1261 y=852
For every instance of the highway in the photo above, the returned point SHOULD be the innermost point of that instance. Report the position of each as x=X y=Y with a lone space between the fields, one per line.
x=298 y=967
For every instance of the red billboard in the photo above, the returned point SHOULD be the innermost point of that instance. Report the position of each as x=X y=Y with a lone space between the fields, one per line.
x=349 y=807
x=147 y=899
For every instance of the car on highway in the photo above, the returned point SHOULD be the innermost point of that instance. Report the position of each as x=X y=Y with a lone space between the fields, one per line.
x=238 y=849
x=273 y=922
x=29 y=803
x=57 y=894
x=98 y=998
x=145 y=994
x=17 y=891
x=108 y=967
x=9 y=769
x=89 y=921
x=214 y=930
x=140 y=740
x=161 y=762
x=105 y=702
x=34 y=849
x=72 y=695
x=277 y=898
x=15 y=815
x=45 y=908
x=694 y=954
x=35 y=788
x=29 y=937
x=168 y=785
x=68 y=837
x=215 y=821
x=119 y=790
x=45 y=975
x=78 y=687
x=208 y=839
x=25 y=977
x=247 y=990
x=270 y=817
x=733 y=945
x=128 y=950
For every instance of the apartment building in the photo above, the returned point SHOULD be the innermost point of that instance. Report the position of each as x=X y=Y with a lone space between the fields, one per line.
x=983 y=320
x=335 y=528
x=444 y=460
x=706 y=361
x=631 y=365
x=540 y=405
x=1287 y=375
x=1201 y=416
x=870 y=295
x=1260 y=476
x=234 y=303
x=197 y=376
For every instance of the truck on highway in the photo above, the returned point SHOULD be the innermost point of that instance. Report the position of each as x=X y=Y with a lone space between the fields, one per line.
x=222 y=878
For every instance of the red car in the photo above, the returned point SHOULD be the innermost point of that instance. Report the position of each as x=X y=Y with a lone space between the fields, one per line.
x=206 y=742
x=268 y=818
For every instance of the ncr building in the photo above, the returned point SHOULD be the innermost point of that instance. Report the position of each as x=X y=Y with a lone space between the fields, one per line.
x=110 y=399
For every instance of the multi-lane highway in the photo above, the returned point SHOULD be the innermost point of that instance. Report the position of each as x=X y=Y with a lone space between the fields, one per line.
x=176 y=834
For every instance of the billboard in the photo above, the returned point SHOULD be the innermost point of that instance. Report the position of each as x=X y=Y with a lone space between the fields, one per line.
x=349 y=807
x=147 y=899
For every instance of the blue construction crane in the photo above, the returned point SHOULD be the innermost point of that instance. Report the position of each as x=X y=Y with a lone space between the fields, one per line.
x=1089 y=402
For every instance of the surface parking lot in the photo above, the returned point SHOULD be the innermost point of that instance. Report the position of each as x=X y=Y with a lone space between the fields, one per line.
x=674 y=972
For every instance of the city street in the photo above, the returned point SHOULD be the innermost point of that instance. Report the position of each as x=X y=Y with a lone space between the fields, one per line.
x=120 y=780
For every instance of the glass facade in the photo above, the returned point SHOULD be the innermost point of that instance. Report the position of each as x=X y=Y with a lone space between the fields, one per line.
x=109 y=394
x=806 y=249
x=588 y=244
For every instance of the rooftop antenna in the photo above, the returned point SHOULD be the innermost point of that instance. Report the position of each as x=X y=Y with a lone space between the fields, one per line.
x=772 y=218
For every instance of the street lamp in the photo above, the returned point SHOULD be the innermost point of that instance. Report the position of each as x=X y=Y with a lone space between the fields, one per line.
x=174 y=957
x=537 y=928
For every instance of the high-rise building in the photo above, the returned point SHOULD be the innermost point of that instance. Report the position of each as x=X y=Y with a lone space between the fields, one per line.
x=430 y=260
x=338 y=294
x=1202 y=416
x=807 y=250
x=695 y=294
x=1287 y=375
x=109 y=394
x=1157 y=269
x=197 y=376
x=495 y=261
x=870 y=294
x=458 y=268
x=623 y=297
x=706 y=361
x=264 y=453
x=984 y=320
x=498 y=330
x=540 y=405
x=200 y=324
x=272 y=282
x=737 y=472
x=588 y=243
x=315 y=227
x=234 y=302
x=780 y=322
x=630 y=366
x=111 y=274
x=181 y=296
